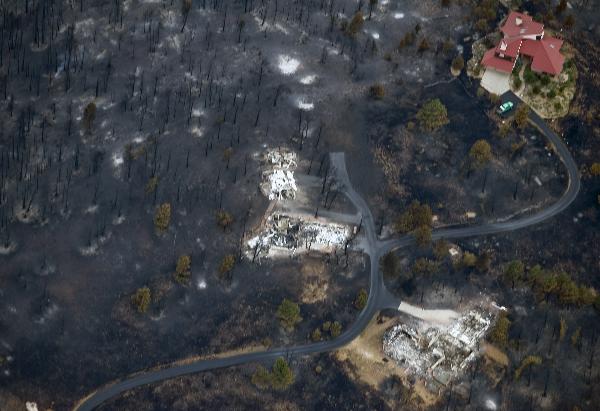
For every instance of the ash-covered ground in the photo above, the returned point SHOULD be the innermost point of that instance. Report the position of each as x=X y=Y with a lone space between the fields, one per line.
x=186 y=102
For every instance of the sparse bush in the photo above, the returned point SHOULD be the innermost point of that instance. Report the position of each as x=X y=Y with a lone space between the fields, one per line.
x=514 y=272
x=569 y=22
x=355 y=24
x=458 y=63
x=423 y=45
x=261 y=377
x=595 y=169
x=528 y=361
x=89 y=115
x=499 y=333
x=562 y=329
x=141 y=299
x=482 y=25
x=162 y=217
x=440 y=249
x=224 y=219
x=415 y=216
x=316 y=335
x=151 y=185
x=281 y=375
x=377 y=91
x=424 y=266
x=521 y=116
x=576 y=337
x=422 y=236
x=517 y=82
x=483 y=262
x=480 y=153
x=227 y=264
x=551 y=93
x=433 y=115
x=407 y=40
x=390 y=265
x=288 y=314
x=183 y=269
x=469 y=260
x=361 y=299
x=336 y=329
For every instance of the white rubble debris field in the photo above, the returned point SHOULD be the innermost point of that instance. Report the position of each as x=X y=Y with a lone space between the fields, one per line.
x=285 y=235
x=278 y=176
x=438 y=353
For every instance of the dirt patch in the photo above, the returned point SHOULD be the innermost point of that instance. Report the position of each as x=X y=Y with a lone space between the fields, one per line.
x=495 y=354
x=363 y=360
x=316 y=279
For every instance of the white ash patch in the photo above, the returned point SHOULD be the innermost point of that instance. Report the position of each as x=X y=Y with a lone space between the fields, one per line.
x=201 y=284
x=304 y=104
x=7 y=248
x=268 y=26
x=278 y=176
x=117 y=160
x=197 y=131
x=94 y=246
x=398 y=15
x=93 y=209
x=31 y=406
x=287 y=64
x=440 y=353
x=309 y=79
x=48 y=313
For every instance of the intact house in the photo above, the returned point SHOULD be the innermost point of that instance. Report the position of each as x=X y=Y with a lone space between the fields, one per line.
x=524 y=37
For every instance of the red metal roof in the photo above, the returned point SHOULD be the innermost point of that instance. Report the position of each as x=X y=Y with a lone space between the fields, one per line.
x=547 y=58
x=520 y=25
x=491 y=60
x=508 y=47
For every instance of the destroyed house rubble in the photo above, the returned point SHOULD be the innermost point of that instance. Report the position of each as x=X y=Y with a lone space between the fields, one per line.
x=441 y=354
x=278 y=175
x=289 y=235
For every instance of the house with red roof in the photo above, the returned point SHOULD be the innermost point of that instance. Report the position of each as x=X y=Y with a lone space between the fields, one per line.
x=525 y=37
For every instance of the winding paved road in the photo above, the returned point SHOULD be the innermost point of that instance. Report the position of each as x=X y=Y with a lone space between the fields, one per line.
x=379 y=296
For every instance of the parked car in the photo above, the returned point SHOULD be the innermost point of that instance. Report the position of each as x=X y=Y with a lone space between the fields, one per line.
x=505 y=107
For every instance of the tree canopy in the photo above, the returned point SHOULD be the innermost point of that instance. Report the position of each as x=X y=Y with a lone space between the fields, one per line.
x=480 y=153
x=432 y=115
x=288 y=313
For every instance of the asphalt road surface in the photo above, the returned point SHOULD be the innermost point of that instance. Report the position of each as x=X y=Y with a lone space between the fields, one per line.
x=379 y=297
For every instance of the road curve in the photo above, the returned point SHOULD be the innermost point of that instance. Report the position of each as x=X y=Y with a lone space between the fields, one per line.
x=379 y=297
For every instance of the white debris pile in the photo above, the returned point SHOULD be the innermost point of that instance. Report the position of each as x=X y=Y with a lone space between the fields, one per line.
x=438 y=353
x=31 y=406
x=278 y=176
x=327 y=234
x=281 y=185
x=287 y=64
x=285 y=235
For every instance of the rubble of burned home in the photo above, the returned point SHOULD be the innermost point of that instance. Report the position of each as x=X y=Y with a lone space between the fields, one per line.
x=278 y=175
x=284 y=235
x=438 y=354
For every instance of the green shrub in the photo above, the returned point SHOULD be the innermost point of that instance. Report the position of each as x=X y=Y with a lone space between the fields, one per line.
x=162 y=217
x=182 y=269
x=288 y=313
x=432 y=115
x=361 y=299
x=141 y=299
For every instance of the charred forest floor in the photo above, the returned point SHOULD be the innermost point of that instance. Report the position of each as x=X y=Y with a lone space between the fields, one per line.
x=183 y=109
